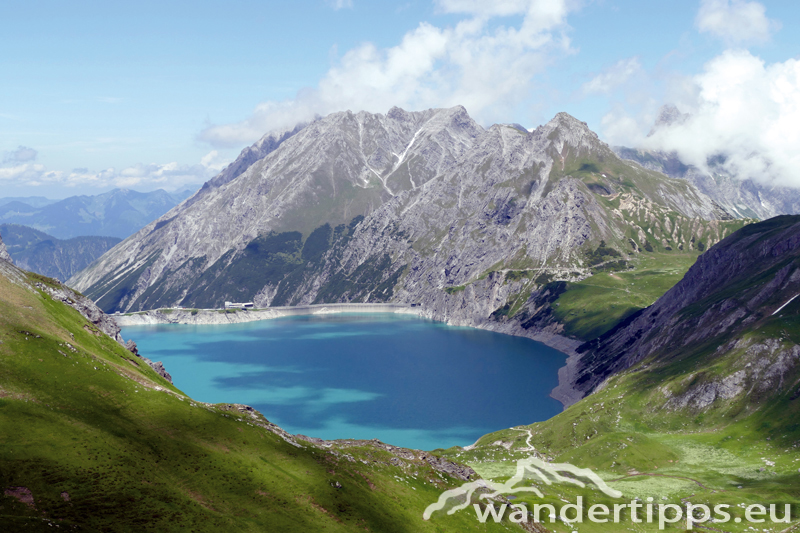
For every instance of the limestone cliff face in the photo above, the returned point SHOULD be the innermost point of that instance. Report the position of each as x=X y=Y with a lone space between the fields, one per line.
x=329 y=172
x=411 y=207
x=3 y=252
x=727 y=311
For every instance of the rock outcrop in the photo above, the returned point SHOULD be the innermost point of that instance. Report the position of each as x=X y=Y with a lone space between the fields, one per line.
x=4 y=253
x=157 y=366
x=84 y=306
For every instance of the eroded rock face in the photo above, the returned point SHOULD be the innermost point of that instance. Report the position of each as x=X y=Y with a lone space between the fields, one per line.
x=763 y=369
x=4 y=253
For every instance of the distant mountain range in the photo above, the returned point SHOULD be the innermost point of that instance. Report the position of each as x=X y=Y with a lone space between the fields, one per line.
x=44 y=254
x=117 y=213
x=33 y=201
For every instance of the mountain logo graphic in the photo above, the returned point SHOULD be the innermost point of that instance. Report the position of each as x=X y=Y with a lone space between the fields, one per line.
x=527 y=469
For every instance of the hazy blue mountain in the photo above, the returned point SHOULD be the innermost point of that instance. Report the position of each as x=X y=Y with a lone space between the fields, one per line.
x=42 y=253
x=33 y=201
x=117 y=213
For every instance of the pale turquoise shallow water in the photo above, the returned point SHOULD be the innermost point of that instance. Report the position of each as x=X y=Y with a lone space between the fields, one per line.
x=403 y=380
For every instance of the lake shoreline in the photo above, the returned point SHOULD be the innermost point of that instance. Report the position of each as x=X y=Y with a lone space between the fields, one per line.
x=239 y=316
x=564 y=392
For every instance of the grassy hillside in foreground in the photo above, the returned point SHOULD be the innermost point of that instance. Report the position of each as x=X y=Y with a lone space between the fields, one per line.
x=711 y=414
x=91 y=439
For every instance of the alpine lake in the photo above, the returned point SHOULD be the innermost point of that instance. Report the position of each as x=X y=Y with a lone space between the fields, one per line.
x=401 y=379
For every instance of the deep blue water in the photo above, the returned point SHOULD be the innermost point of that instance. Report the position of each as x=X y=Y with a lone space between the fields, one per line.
x=404 y=380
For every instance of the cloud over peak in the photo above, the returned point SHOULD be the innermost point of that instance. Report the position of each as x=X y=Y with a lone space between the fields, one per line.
x=744 y=110
x=488 y=68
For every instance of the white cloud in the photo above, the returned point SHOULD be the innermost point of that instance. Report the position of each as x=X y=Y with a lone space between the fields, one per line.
x=340 y=4
x=744 y=110
x=487 y=68
x=613 y=77
x=142 y=176
x=213 y=161
x=541 y=13
x=22 y=172
x=735 y=21
x=22 y=154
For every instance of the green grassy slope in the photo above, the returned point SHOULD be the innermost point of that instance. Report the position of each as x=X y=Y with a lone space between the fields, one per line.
x=104 y=444
x=591 y=307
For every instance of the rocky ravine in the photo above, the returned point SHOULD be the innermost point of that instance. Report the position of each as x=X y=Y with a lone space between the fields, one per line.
x=425 y=207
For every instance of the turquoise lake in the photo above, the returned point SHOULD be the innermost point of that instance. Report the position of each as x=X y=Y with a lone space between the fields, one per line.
x=400 y=379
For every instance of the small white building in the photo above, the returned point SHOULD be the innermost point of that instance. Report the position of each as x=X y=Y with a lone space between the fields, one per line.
x=235 y=305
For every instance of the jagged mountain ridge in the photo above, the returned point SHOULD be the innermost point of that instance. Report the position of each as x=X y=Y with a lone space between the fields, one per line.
x=262 y=148
x=424 y=207
x=353 y=158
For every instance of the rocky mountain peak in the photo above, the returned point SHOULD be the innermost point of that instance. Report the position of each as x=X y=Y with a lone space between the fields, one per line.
x=456 y=119
x=565 y=124
x=396 y=113
x=668 y=115
x=567 y=132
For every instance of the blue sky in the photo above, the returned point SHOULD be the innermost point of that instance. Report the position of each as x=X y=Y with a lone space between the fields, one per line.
x=144 y=95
